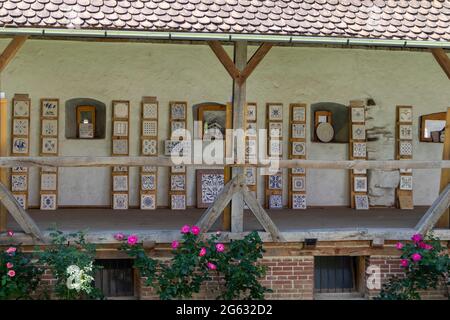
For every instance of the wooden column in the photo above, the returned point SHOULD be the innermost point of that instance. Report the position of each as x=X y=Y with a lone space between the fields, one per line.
x=445 y=173
x=3 y=153
x=239 y=97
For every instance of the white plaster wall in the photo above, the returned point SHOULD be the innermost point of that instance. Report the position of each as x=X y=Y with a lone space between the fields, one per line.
x=108 y=71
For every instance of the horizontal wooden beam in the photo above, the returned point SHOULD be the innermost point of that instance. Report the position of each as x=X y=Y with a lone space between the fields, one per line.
x=433 y=214
x=225 y=59
x=11 y=50
x=443 y=60
x=167 y=236
x=167 y=162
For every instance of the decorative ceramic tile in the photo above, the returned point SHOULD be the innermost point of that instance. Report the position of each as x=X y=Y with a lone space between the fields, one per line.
x=150 y=128
x=252 y=129
x=148 y=182
x=275 y=147
x=120 y=169
x=275 y=112
x=150 y=111
x=251 y=112
x=358 y=114
x=360 y=184
x=21 y=108
x=298 y=201
x=49 y=127
x=275 y=182
x=298 y=131
x=405 y=148
x=178 y=111
x=19 y=169
x=149 y=169
x=358 y=132
x=21 y=199
x=148 y=201
x=178 y=147
x=19 y=182
x=298 y=114
x=409 y=170
x=406 y=182
x=120 y=182
x=405 y=114
x=178 y=202
x=120 y=109
x=359 y=150
x=120 y=201
x=298 y=170
x=49 y=145
x=275 y=201
x=359 y=171
x=361 y=202
x=48 y=201
x=298 y=183
x=251 y=148
x=211 y=185
x=177 y=125
x=120 y=128
x=20 y=145
x=250 y=176
x=149 y=147
x=405 y=132
x=275 y=129
x=120 y=146
x=178 y=169
x=49 y=108
x=20 y=127
x=177 y=182
x=49 y=181
x=298 y=148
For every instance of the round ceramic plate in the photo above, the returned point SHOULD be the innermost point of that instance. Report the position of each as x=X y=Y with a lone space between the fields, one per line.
x=325 y=132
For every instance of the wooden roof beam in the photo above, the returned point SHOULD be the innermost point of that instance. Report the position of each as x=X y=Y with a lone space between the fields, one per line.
x=224 y=58
x=254 y=61
x=443 y=60
x=11 y=50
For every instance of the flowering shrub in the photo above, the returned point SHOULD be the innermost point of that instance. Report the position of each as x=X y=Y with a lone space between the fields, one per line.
x=193 y=261
x=426 y=264
x=71 y=258
x=19 y=277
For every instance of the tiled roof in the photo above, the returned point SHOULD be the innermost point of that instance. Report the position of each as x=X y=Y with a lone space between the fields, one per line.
x=382 y=19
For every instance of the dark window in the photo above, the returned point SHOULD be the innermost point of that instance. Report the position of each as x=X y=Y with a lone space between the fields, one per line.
x=335 y=274
x=115 y=278
x=72 y=125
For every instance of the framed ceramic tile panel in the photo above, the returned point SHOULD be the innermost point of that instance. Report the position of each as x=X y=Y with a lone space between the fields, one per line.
x=406 y=182
x=178 y=182
x=21 y=127
x=275 y=112
x=20 y=146
x=49 y=146
x=120 y=201
x=19 y=182
x=361 y=202
x=120 y=128
x=120 y=182
x=48 y=201
x=298 y=183
x=21 y=106
x=148 y=181
x=49 y=181
x=209 y=183
x=121 y=109
x=298 y=201
x=178 y=110
x=49 y=108
x=148 y=201
x=22 y=199
x=178 y=201
x=251 y=114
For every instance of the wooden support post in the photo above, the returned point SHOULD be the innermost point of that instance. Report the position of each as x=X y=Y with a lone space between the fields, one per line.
x=443 y=60
x=239 y=97
x=10 y=51
x=445 y=173
x=226 y=219
x=4 y=178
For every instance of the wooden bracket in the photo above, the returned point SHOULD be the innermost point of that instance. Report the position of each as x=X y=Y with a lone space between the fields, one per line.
x=239 y=76
x=11 y=50
x=443 y=60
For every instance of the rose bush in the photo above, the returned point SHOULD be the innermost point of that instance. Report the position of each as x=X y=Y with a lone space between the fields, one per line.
x=195 y=259
x=426 y=264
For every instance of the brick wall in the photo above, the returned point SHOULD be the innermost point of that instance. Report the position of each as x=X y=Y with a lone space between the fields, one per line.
x=389 y=267
x=288 y=277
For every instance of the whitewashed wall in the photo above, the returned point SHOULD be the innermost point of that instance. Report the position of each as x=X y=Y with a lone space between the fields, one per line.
x=108 y=71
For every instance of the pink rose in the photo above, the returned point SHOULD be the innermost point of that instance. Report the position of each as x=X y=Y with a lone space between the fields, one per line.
x=220 y=247
x=11 y=250
x=119 y=236
x=416 y=238
x=399 y=245
x=185 y=229
x=132 y=240
x=11 y=273
x=211 y=266
x=202 y=252
x=416 y=257
x=195 y=230
x=404 y=263
x=175 y=244
x=428 y=247
x=9 y=265
x=10 y=233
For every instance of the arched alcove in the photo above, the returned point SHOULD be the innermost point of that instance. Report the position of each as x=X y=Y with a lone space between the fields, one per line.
x=71 y=117
x=339 y=115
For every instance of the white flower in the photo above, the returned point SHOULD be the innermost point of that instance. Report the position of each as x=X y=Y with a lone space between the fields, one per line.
x=73 y=269
x=79 y=279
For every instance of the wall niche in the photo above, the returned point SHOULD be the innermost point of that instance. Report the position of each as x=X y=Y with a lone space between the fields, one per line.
x=335 y=115
x=94 y=111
